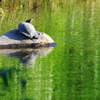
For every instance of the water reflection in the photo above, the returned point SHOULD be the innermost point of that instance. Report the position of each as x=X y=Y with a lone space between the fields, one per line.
x=3 y=74
x=16 y=78
x=6 y=74
x=26 y=56
x=29 y=59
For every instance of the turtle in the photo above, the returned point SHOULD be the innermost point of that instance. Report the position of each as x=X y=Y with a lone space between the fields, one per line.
x=28 y=29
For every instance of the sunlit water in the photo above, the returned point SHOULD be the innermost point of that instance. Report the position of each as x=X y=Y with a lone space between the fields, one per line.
x=70 y=70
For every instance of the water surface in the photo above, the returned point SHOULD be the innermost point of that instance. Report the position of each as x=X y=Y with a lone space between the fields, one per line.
x=70 y=71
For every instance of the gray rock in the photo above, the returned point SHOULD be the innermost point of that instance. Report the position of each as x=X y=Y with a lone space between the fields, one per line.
x=14 y=39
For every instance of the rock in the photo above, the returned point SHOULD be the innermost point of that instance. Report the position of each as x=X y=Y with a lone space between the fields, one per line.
x=14 y=39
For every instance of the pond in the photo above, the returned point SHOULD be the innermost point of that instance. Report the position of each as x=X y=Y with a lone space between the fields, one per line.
x=68 y=71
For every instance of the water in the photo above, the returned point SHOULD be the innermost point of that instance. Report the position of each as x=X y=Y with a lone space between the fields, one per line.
x=70 y=70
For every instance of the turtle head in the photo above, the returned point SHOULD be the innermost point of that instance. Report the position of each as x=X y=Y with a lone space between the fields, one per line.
x=29 y=20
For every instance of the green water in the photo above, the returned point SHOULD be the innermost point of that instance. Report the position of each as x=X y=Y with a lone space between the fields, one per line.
x=71 y=71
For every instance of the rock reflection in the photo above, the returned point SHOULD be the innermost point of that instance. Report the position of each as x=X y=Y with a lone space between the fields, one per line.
x=26 y=56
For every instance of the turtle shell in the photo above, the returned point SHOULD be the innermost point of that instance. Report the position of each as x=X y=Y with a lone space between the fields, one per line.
x=27 y=29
